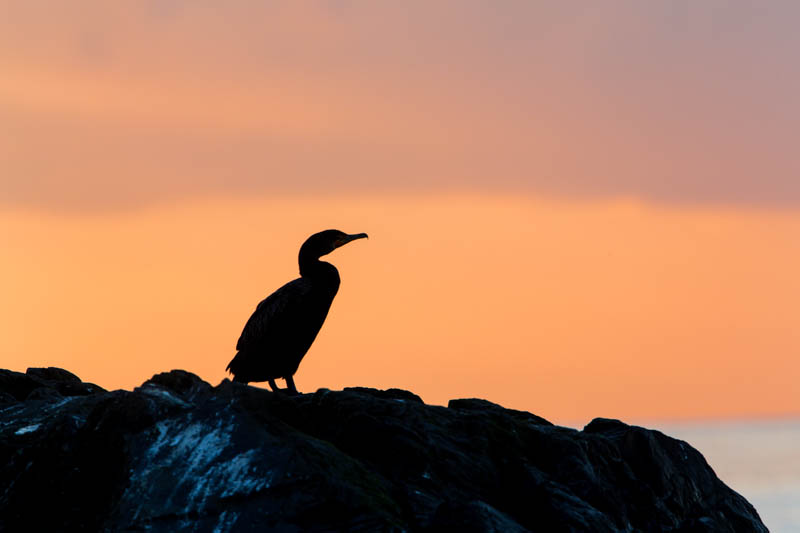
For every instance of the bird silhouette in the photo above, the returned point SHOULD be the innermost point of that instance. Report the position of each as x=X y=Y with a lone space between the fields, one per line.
x=284 y=325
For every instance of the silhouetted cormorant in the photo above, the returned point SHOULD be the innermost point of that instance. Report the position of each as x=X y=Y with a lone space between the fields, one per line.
x=283 y=326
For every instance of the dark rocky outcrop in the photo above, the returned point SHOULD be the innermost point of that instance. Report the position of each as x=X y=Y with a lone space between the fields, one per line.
x=177 y=454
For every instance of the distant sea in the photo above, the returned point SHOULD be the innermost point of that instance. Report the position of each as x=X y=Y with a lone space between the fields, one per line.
x=759 y=459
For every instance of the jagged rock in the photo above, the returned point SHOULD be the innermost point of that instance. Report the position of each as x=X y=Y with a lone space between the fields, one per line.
x=58 y=375
x=17 y=385
x=59 y=382
x=177 y=454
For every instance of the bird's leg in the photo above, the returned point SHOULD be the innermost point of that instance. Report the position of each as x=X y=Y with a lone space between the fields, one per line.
x=290 y=385
x=273 y=385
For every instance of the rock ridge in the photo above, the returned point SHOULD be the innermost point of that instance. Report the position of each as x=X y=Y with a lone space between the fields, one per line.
x=177 y=454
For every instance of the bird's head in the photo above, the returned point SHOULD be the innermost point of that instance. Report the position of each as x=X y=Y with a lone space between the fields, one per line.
x=325 y=242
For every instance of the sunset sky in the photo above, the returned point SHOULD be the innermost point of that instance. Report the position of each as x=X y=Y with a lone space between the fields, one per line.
x=577 y=209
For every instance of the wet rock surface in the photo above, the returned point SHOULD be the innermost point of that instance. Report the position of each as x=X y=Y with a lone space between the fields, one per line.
x=177 y=454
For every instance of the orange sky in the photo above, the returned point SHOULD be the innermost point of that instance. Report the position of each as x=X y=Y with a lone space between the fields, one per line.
x=569 y=310
x=577 y=209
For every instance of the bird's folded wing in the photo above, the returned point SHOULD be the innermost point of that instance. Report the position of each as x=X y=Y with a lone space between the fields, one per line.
x=273 y=313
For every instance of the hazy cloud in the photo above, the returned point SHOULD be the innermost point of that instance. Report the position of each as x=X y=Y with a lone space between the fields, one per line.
x=104 y=104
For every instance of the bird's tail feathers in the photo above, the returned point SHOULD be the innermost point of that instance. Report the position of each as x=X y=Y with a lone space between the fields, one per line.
x=234 y=368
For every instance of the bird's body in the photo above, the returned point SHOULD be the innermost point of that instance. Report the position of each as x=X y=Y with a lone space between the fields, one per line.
x=284 y=325
x=281 y=330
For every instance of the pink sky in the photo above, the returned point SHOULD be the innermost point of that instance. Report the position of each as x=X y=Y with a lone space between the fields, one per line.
x=108 y=105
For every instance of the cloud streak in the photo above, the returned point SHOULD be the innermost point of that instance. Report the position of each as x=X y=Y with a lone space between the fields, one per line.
x=121 y=104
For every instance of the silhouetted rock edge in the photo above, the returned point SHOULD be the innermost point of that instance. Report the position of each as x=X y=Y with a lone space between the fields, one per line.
x=177 y=454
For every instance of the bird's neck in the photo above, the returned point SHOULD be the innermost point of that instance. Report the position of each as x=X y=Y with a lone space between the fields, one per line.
x=319 y=270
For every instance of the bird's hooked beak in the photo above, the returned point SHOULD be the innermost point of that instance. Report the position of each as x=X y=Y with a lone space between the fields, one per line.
x=347 y=238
